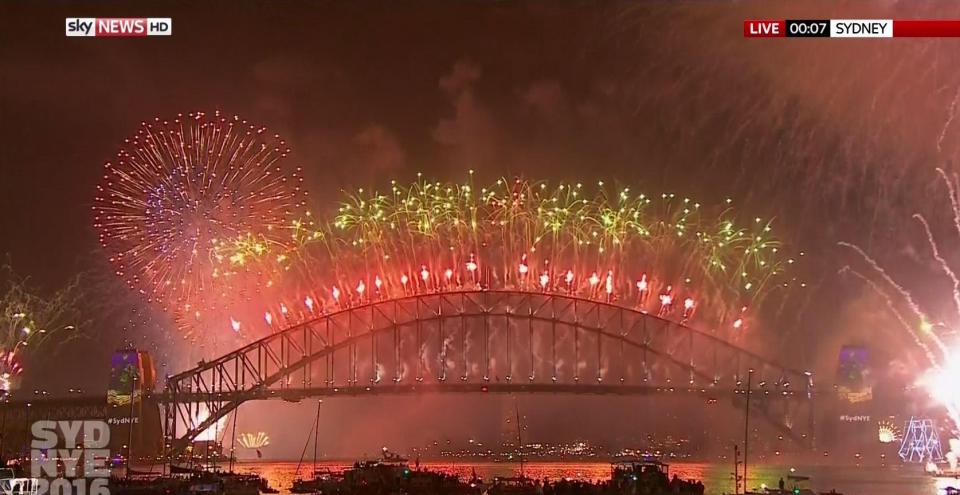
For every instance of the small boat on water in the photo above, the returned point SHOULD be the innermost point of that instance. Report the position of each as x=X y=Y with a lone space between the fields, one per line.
x=266 y=488
x=153 y=485
x=189 y=481
x=514 y=485
x=388 y=475
x=942 y=472
x=322 y=481
x=782 y=488
x=797 y=488
x=624 y=468
x=650 y=475
x=213 y=481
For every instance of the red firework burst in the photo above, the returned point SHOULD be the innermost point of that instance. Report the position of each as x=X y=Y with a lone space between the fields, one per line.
x=194 y=202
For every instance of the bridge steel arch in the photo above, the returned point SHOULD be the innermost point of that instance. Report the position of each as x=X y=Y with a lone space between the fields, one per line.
x=484 y=341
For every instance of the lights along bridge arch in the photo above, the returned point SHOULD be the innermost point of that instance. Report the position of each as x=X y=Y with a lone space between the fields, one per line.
x=480 y=341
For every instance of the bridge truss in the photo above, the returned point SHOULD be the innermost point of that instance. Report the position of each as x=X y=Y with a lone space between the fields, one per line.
x=483 y=341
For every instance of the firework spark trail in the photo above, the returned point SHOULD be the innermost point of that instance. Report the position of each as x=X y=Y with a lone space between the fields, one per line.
x=908 y=298
x=379 y=373
x=935 y=251
x=940 y=380
x=954 y=200
x=447 y=355
x=950 y=115
x=424 y=361
x=931 y=357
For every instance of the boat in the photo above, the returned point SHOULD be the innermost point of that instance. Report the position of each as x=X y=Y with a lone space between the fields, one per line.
x=515 y=485
x=322 y=480
x=796 y=489
x=946 y=471
x=212 y=480
x=266 y=488
x=624 y=468
x=135 y=482
x=390 y=457
x=739 y=475
x=650 y=475
x=242 y=484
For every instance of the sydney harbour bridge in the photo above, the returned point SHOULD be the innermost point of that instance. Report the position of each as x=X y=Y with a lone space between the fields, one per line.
x=486 y=342
x=490 y=341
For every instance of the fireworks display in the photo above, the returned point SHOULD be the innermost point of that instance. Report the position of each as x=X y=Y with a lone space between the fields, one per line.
x=253 y=440
x=887 y=432
x=195 y=211
x=639 y=161
x=942 y=376
x=198 y=216
x=29 y=322
x=663 y=254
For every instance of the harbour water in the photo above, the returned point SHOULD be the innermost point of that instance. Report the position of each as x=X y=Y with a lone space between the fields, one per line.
x=849 y=480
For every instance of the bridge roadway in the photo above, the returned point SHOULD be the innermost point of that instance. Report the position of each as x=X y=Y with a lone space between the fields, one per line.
x=455 y=387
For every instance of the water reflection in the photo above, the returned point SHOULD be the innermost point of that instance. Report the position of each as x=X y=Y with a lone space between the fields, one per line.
x=717 y=478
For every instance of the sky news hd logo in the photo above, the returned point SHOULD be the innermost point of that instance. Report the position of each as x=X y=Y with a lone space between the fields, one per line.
x=119 y=26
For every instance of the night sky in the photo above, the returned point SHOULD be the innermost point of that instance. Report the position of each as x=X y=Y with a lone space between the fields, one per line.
x=836 y=139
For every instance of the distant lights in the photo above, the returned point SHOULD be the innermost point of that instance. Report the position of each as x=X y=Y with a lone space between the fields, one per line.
x=471 y=265
x=738 y=323
x=666 y=300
